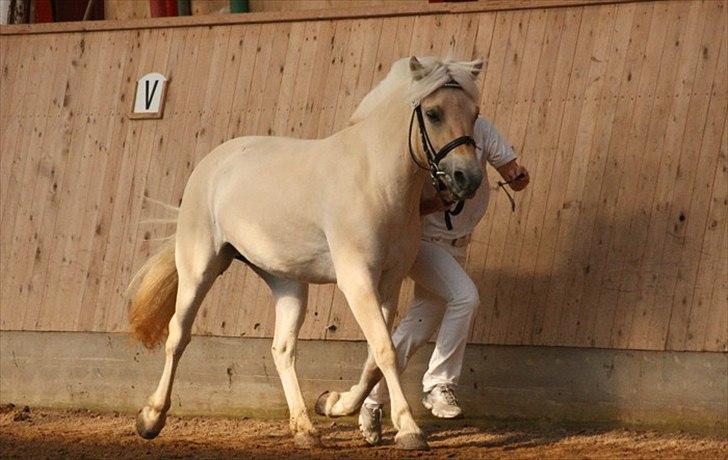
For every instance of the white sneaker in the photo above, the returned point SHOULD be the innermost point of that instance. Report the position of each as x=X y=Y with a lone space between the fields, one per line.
x=442 y=402
x=370 y=423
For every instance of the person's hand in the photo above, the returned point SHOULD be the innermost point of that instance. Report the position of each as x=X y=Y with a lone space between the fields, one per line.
x=515 y=175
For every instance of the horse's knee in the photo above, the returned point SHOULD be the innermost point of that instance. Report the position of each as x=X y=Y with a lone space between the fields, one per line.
x=385 y=357
x=283 y=355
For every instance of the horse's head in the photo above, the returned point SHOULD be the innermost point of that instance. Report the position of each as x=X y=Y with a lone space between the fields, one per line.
x=445 y=100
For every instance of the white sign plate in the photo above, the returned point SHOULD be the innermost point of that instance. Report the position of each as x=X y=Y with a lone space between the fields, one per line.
x=149 y=98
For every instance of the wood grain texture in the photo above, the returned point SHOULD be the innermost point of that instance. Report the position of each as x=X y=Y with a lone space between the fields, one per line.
x=618 y=109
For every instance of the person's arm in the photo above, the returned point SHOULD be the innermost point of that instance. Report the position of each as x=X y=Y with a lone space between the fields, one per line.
x=515 y=174
x=501 y=156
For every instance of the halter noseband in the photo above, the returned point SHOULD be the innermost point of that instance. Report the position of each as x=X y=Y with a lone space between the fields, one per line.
x=435 y=156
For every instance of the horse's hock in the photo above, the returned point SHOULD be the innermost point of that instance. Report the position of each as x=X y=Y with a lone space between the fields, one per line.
x=603 y=297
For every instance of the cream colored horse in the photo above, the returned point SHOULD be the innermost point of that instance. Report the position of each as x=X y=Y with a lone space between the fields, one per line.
x=343 y=209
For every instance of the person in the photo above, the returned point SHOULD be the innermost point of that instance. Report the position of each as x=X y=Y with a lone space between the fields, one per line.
x=444 y=294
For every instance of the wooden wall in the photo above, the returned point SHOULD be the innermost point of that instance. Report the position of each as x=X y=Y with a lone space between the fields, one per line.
x=618 y=110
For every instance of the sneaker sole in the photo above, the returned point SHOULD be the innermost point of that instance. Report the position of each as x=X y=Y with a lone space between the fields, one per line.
x=429 y=406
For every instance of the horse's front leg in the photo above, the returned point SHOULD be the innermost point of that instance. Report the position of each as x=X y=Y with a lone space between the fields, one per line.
x=350 y=401
x=359 y=286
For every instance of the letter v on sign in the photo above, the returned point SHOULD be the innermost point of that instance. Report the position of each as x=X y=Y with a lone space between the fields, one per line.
x=149 y=98
x=149 y=95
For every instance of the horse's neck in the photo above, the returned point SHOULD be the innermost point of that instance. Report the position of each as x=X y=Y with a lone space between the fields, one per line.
x=397 y=177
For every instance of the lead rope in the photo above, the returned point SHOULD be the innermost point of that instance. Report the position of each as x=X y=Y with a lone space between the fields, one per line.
x=502 y=185
x=460 y=204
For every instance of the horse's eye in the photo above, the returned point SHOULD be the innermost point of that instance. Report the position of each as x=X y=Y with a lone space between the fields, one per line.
x=433 y=115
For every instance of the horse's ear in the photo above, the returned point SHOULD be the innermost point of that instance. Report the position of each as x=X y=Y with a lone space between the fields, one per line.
x=417 y=69
x=477 y=68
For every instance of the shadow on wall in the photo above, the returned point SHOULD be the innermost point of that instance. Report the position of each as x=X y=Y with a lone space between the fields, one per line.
x=627 y=281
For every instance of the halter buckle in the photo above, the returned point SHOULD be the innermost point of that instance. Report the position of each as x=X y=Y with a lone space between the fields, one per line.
x=452 y=84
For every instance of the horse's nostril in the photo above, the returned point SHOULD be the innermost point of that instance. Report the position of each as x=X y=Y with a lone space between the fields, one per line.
x=459 y=177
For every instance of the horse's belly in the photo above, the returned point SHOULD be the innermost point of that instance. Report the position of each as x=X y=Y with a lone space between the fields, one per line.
x=306 y=259
x=317 y=270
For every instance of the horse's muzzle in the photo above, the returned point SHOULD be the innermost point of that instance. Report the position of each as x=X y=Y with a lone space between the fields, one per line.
x=463 y=184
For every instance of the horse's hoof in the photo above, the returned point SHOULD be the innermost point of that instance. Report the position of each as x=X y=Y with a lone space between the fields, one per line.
x=307 y=441
x=411 y=441
x=146 y=429
x=325 y=402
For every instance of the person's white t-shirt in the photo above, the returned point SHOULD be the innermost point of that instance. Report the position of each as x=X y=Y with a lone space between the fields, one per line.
x=491 y=147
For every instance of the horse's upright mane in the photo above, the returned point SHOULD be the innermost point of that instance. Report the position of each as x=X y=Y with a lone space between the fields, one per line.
x=399 y=83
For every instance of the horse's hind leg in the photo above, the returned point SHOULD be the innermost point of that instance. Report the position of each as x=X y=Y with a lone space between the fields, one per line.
x=198 y=265
x=290 y=299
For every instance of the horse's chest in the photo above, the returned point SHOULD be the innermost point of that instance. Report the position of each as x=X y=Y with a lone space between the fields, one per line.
x=402 y=250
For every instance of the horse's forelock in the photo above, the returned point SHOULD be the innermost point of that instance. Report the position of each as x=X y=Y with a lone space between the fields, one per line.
x=443 y=71
x=399 y=80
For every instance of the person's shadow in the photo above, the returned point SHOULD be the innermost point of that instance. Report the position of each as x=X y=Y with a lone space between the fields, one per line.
x=494 y=435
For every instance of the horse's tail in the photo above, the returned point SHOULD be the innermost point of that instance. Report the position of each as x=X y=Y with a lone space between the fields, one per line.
x=154 y=290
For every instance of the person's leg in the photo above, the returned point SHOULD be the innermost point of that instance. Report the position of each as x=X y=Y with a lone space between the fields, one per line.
x=418 y=325
x=416 y=328
x=439 y=277
x=452 y=283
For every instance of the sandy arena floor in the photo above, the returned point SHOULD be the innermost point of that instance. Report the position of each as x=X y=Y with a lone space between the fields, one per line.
x=42 y=433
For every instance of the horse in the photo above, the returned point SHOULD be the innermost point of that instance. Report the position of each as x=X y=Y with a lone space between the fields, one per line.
x=343 y=209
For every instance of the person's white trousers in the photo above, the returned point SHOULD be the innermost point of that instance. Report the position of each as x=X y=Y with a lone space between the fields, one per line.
x=443 y=293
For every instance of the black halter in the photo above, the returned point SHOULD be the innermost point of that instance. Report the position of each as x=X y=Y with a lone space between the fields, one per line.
x=435 y=156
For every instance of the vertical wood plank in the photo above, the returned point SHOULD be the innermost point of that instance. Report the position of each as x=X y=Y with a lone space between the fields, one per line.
x=61 y=285
x=490 y=28
x=98 y=156
x=714 y=326
x=677 y=173
x=11 y=66
x=628 y=18
x=25 y=172
x=51 y=172
x=677 y=55
x=502 y=118
x=137 y=146
x=691 y=196
x=592 y=40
